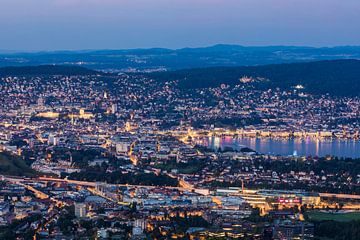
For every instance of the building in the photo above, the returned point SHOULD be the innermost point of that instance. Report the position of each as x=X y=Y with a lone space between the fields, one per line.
x=41 y=101
x=114 y=108
x=139 y=226
x=122 y=148
x=52 y=140
x=293 y=230
x=102 y=234
x=80 y=210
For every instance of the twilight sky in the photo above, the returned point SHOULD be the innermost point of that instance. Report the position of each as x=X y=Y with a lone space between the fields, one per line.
x=118 y=24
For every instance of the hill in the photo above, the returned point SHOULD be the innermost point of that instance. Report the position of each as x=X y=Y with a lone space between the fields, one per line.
x=174 y=59
x=13 y=165
x=336 y=77
x=46 y=70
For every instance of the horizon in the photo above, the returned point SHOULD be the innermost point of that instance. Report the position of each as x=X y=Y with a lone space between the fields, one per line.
x=16 y=51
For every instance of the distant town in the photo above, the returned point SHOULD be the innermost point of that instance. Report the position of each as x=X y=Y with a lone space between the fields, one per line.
x=121 y=156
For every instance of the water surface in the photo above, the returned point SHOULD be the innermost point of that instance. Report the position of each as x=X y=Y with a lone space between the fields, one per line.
x=286 y=147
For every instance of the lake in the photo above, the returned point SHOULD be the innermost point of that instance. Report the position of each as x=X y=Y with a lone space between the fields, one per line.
x=286 y=147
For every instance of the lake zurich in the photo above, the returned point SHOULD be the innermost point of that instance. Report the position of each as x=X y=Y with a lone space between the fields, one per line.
x=286 y=147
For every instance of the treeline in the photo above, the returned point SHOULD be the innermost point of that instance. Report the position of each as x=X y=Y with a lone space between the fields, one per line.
x=337 y=77
x=318 y=166
x=191 y=167
x=117 y=177
x=14 y=165
x=341 y=175
x=338 y=230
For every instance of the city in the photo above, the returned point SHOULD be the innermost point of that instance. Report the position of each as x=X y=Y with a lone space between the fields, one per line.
x=192 y=120
x=124 y=157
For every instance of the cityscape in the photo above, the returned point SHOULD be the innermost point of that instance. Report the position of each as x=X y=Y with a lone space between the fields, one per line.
x=220 y=142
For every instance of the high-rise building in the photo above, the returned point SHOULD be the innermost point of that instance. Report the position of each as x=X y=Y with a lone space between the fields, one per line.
x=52 y=140
x=114 y=108
x=80 y=210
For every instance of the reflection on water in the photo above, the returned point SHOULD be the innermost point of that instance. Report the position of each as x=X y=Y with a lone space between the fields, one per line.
x=297 y=146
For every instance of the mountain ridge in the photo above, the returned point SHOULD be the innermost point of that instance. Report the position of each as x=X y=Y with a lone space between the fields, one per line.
x=184 y=58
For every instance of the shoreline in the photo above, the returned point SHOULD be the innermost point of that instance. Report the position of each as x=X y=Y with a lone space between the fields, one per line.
x=275 y=135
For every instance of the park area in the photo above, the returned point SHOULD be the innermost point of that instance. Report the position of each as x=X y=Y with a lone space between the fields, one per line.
x=334 y=216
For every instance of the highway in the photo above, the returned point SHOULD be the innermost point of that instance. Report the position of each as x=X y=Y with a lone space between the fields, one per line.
x=184 y=187
x=19 y=180
x=93 y=184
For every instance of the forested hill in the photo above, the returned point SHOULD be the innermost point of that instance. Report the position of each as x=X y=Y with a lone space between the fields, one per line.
x=337 y=77
x=14 y=165
x=175 y=59
x=46 y=70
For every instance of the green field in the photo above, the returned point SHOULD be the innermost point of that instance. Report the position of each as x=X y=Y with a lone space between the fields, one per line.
x=340 y=217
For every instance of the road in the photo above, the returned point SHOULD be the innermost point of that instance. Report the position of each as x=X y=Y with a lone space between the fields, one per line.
x=93 y=184
x=184 y=187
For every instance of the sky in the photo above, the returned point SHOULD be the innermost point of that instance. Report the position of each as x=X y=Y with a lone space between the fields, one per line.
x=33 y=25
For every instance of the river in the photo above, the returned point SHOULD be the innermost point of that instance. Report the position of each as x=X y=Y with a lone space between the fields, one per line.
x=286 y=147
